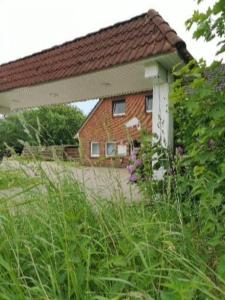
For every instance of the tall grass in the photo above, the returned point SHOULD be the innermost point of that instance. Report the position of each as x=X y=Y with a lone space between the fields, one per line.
x=59 y=245
x=13 y=179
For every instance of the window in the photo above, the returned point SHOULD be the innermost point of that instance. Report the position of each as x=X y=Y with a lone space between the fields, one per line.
x=135 y=148
x=119 y=108
x=95 y=149
x=148 y=103
x=122 y=150
x=110 y=149
x=136 y=144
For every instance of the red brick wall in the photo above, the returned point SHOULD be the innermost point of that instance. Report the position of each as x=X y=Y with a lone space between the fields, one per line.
x=103 y=127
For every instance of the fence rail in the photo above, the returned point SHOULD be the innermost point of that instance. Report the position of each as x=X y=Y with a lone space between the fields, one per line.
x=64 y=152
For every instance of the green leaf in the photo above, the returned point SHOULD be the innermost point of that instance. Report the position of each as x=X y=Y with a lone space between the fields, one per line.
x=221 y=266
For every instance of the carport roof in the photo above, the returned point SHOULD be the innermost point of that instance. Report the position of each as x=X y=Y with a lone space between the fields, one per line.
x=144 y=36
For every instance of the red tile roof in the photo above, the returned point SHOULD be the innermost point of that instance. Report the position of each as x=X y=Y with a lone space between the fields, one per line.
x=138 y=38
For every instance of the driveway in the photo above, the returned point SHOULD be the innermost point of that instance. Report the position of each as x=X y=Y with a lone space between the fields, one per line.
x=110 y=183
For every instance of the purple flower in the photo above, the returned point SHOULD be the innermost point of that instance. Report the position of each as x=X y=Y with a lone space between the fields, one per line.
x=131 y=169
x=138 y=163
x=133 y=178
x=133 y=156
x=134 y=153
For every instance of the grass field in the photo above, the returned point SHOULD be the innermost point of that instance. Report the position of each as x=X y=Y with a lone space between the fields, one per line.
x=16 y=179
x=57 y=245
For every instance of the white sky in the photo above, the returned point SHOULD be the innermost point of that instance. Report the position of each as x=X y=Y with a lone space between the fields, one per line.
x=28 y=26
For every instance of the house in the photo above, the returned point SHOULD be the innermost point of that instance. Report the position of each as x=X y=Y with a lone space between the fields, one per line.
x=113 y=127
x=128 y=66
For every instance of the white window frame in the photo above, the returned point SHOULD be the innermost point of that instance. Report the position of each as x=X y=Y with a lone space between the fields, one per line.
x=106 y=154
x=114 y=103
x=148 y=110
x=119 y=154
x=92 y=154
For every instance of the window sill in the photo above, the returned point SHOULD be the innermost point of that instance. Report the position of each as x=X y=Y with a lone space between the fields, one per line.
x=118 y=115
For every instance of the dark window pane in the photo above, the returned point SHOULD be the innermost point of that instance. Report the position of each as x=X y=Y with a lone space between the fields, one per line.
x=119 y=107
x=149 y=100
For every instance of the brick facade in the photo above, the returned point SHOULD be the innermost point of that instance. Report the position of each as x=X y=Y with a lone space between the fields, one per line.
x=103 y=127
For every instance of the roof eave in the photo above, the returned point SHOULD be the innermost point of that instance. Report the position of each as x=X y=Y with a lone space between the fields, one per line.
x=183 y=53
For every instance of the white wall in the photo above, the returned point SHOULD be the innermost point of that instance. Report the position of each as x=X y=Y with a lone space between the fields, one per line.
x=162 y=121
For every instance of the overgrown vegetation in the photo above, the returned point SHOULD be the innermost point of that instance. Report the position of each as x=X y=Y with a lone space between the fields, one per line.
x=199 y=116
x=16 y=179
x=52 y=125
x=61 y=246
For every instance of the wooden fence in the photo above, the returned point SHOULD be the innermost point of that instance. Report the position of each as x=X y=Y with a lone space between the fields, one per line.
x=48 y=153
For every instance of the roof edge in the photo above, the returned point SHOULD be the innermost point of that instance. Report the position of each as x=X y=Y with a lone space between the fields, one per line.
x=170 y=35
x=184 y=54
x=74 y=40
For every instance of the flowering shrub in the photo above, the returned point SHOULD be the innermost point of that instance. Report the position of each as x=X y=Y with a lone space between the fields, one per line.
x=141 y=168
x=147 y=162
x=135 y=164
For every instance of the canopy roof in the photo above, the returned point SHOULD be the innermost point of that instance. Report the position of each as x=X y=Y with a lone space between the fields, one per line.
x=65 y=71
x=141 y=37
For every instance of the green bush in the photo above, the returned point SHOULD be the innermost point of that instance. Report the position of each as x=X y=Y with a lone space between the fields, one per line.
x=53 y=125
x=199 y=126
x=198 y=175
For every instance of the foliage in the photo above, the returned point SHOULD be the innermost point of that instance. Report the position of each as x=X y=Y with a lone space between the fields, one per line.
x=11 y=131
x=50 y=125
x=58 y=245
x=210 y=24
x=196 y=175
x=199 y=119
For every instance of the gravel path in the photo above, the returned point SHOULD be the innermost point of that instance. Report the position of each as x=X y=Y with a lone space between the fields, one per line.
x=110 y=183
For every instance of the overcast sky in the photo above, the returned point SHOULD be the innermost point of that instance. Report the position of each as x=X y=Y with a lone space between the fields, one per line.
x=28 y=26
